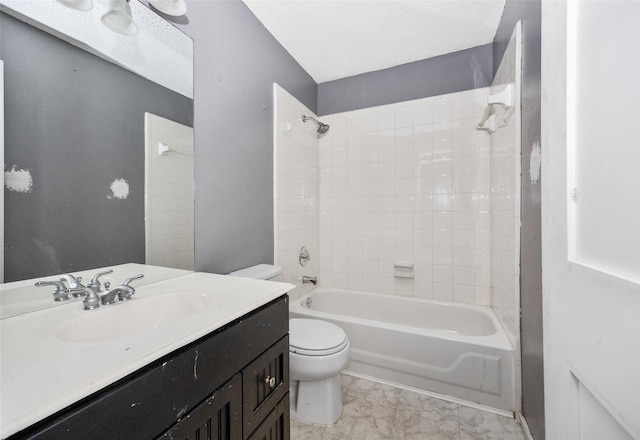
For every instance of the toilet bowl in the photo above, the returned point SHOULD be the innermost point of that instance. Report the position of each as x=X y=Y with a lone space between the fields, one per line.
x=318 y=350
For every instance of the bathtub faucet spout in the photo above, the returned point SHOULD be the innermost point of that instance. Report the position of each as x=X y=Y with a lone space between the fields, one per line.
x=312 y=280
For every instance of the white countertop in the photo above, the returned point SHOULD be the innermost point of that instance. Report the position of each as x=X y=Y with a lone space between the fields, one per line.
x=41 y=374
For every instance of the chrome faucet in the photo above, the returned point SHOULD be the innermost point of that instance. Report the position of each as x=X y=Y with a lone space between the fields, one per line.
x=123 y=291
x=95 y=283
x=312 y=280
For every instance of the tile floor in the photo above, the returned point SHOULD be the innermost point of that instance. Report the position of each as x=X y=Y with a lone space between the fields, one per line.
x=373 y=411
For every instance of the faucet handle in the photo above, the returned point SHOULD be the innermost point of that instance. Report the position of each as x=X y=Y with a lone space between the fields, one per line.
x=125 y=291
x=133 y=278
x=75 y=284
x=95 y=283
x=60 y=294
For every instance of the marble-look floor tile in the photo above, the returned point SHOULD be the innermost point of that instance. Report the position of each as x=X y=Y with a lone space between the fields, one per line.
x=373 y=411
x=362 y=420
x=488 y=426
x=414 y=424
x=373 y=392
x=303 y=431
x=345 y=380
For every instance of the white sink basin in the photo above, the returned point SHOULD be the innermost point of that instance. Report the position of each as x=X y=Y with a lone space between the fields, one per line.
x=131 y=317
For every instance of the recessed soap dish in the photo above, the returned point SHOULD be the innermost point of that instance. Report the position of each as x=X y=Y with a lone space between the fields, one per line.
x=403 y=269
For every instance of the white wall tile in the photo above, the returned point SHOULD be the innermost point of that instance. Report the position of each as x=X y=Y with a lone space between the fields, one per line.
x=404 y=118
x=386 y=120
x=303 y=170
x=423 y=289
x=443 y=291
x=403 y=286
x=411 y=181
x=464 y=294
x=369 y=123
x=442 y=108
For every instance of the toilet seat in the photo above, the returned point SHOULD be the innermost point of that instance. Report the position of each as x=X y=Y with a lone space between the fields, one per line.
x=312 y=337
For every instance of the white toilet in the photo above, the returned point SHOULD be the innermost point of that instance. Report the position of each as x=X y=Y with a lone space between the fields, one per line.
x=318 y=350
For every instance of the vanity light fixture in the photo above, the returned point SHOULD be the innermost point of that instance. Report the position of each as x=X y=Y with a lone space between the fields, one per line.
x=174 y=8
x=119 y=19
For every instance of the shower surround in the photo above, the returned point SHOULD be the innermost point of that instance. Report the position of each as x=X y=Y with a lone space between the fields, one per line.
x=408 y=182
x=412 y=183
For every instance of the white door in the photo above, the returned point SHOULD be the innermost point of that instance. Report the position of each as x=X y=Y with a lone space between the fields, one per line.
x=591 y=218
x=2 y=176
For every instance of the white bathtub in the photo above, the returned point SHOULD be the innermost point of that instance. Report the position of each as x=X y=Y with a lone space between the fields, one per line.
x=453 y=349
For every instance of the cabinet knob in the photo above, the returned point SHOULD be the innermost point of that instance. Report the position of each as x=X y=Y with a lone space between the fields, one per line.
x=271 y=381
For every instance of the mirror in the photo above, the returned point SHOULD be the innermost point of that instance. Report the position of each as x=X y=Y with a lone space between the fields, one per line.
x=76 y=94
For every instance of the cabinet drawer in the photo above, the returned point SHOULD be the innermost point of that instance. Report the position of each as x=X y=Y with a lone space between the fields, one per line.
x=217 y=418
x=276 y=425
x=264 y=382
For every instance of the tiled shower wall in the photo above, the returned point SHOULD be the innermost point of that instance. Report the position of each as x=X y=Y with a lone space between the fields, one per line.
x=408 y=183
x=169 y=194
x=505 y=203
x=295 y=189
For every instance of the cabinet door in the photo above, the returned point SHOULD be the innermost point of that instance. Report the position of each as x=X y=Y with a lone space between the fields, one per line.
x=276 y=425
x=265 y=381
x=217 y=418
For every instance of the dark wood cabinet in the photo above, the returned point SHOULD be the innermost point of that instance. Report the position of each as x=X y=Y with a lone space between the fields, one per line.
x=276 y=425
x=227 y=385
x=219 y=417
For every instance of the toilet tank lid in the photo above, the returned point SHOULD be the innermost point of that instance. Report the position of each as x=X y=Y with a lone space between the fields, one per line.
x=259 y=272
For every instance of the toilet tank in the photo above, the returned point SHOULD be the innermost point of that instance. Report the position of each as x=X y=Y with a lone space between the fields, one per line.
x=260 y=272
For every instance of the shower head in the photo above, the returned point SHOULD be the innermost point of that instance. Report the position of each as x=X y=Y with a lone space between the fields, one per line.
x=322 y=128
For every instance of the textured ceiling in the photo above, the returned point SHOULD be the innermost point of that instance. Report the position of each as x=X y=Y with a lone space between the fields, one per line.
x=333 y=39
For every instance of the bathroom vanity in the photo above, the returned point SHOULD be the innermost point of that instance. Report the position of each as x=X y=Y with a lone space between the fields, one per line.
x=202 y=356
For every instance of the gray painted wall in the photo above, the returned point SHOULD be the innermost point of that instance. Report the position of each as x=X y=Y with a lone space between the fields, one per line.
x=236 y=62
x=530 y=251
x=454 y=72
x=77 y=123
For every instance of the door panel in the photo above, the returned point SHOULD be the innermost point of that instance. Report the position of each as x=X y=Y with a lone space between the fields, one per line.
x=604 y=153
x=591 y=218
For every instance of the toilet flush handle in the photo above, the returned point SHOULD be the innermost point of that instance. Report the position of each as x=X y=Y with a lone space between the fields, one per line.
x=271 y=381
